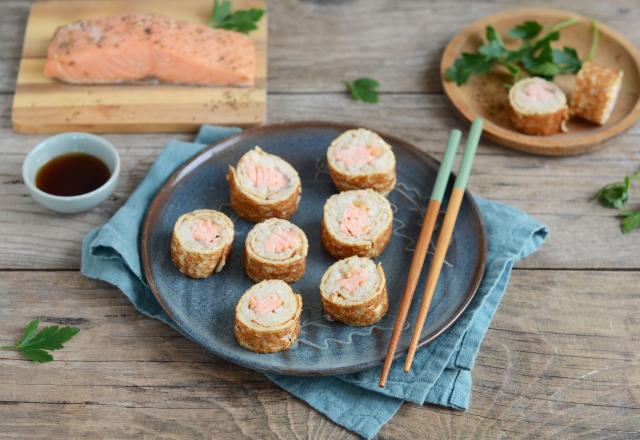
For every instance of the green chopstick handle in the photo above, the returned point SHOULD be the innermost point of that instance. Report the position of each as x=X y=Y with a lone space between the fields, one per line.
x=446 y=165
x=469 y=154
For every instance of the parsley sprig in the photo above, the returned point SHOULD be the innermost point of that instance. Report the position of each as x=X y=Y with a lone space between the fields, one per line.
x=364 y=89
x=36 y=346
x=616 y=195
x=243 y=21
x=535 y=55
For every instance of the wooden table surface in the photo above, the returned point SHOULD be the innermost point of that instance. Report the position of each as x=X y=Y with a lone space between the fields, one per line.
x=561 y=358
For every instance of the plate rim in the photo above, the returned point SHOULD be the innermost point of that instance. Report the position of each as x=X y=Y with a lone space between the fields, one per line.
x=520 y=141
x=161 y=196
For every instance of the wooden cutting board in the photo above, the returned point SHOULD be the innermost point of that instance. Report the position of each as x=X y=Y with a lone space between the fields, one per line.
x=43 y=105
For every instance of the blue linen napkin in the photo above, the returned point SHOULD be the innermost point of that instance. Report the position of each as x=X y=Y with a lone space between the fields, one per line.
x=441 y=372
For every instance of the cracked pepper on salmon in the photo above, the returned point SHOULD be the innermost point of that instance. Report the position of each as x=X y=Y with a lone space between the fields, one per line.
x=141 y=47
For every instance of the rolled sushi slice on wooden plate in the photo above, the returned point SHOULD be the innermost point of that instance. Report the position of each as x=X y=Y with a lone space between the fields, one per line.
x=201 y=242
x=538 y=107
x=263 y=186
x=354 y=291
x=357 y=222
x=267 y=317
x=275 y=249
x=361 y=159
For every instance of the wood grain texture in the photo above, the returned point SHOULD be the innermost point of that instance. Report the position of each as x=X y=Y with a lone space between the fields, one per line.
x=561 y=357
x=43 y=105
x=538 y=373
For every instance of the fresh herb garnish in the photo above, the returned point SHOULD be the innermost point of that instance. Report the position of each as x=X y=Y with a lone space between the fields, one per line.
x=468 y=64
x=594 y=41
x=535 y=55
x=525 y=31
x=243 y=21
x=614 y=195
x=630 y=221
x=36 y=346
x=364 y=89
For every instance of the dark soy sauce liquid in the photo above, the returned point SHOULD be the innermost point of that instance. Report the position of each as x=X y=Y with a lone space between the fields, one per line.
x=72 y=174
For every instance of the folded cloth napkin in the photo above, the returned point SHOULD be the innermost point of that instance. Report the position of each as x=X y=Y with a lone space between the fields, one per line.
x=441 y=372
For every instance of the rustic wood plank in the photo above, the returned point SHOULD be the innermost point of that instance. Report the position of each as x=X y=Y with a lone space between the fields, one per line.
x=555 y=191
x=561 y=359
x=336 y=41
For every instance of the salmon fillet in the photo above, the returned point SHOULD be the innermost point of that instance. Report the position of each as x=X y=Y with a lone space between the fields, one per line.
x=139 y=47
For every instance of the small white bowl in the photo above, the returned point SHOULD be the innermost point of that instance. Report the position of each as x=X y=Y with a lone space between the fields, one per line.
x=71 y=143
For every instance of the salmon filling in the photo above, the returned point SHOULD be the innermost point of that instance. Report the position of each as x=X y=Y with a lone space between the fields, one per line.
x=205 y=231
x=265 y=304
x=269 y=303
x=353 y=280
x=357 y=216
x=357 y=155
x=282 y=241
x=265 y=176
x=538 y=92
x=536 y=95
x=277 y=240
x=354 y=221
x=360 y=152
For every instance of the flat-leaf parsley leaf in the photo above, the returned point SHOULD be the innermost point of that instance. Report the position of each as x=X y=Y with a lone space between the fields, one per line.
x=614 y=195
x=525 y=31
x=36 y=346
x=534 y=55
x=364 y=89
x=243 y=21
x=630 y=221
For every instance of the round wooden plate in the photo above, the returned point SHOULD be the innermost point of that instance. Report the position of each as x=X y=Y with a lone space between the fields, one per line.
x=485 y=96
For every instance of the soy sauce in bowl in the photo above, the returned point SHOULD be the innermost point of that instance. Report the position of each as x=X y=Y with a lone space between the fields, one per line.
x=72 y=174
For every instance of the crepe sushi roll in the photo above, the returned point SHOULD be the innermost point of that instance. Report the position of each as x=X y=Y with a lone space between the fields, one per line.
x=361 y=159
x=357 y=222
x=275 y=249
x=538 y=107
x=354 y=291
x=201 y=242
x=596 y=92
x=267 y=317
x=263 y=186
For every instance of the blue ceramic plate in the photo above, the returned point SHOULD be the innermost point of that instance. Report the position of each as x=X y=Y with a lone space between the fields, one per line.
x=204 y=309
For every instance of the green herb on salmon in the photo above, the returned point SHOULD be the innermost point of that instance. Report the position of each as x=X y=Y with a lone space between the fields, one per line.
x=245 y=20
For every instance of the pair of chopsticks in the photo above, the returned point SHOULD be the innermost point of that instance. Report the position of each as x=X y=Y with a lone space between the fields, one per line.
x=446 y=231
